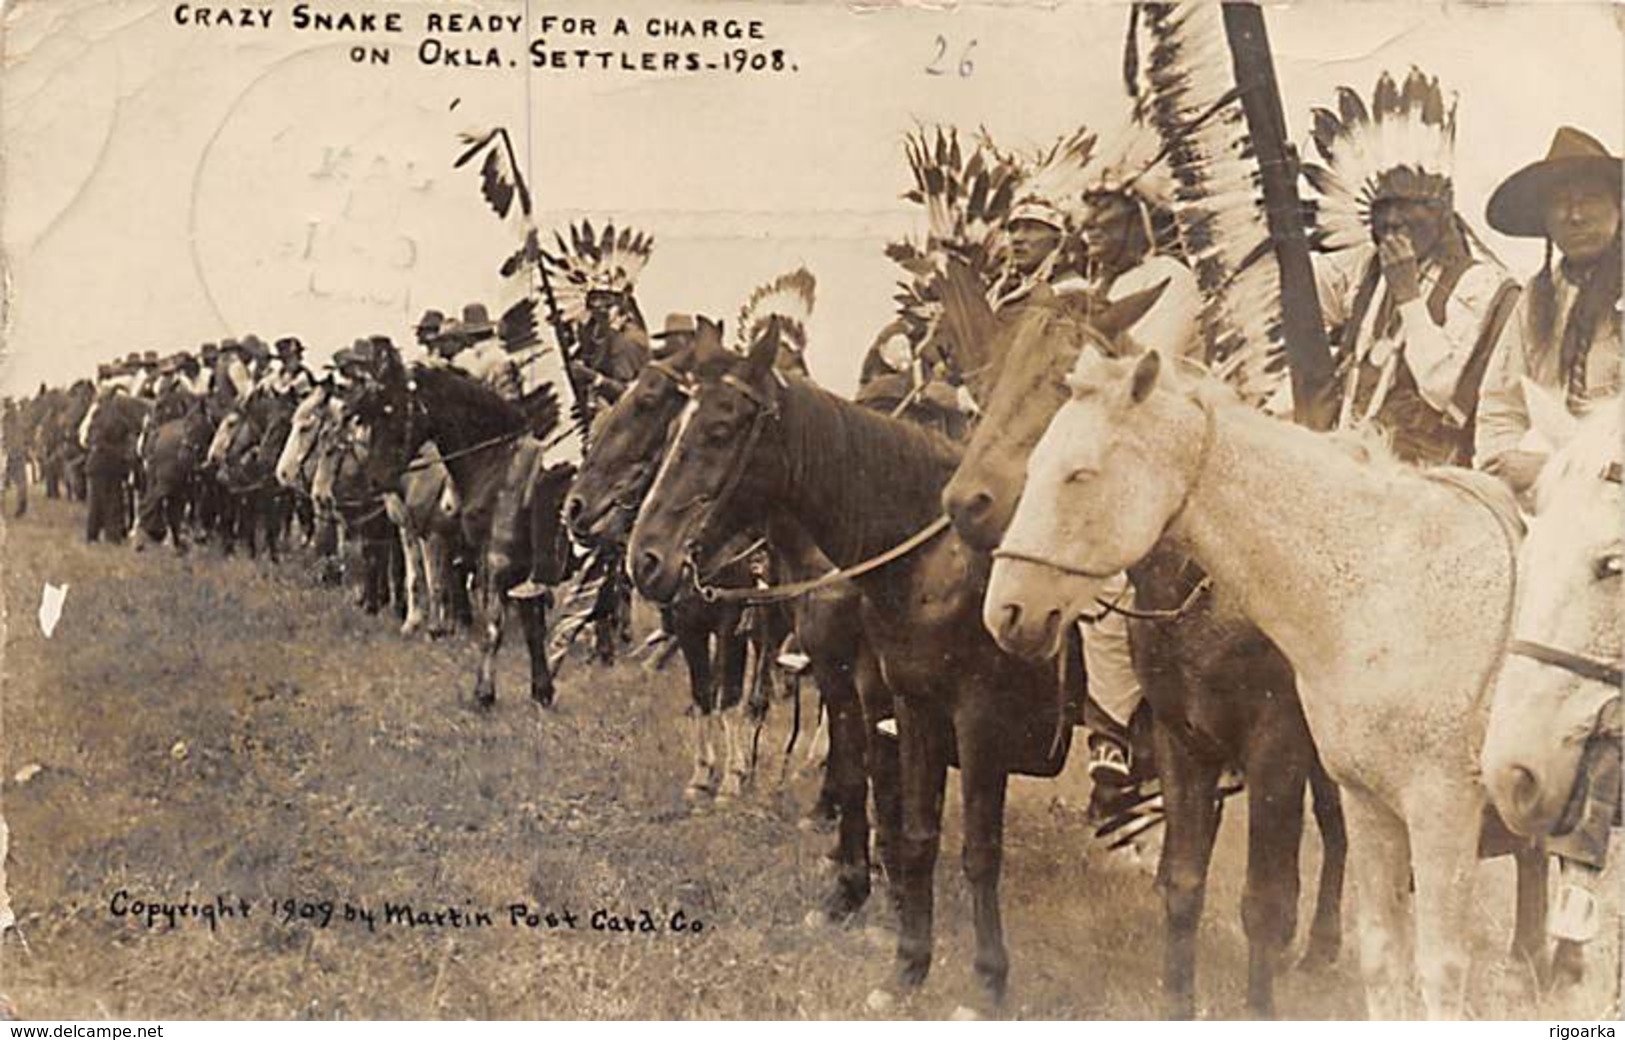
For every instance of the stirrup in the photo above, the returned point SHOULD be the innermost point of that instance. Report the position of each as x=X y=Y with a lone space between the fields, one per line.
x=794 y=662
x=528 y=589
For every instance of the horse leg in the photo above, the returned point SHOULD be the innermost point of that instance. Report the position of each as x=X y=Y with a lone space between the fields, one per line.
x=1380 y=854
x=983 y=781
x=922 y=732
x=732 y=646
x=883 y=762
x=1534 y=875
x=846 y=778
x=435 y=579
x=412 y=550
x=493 y=612
x=533 y=616
x=695 y=644
x=1444 y=858
x=1326 y=930
x=1192 y=818
x=1277 y=767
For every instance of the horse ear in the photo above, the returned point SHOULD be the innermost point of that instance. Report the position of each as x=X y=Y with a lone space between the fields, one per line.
x=1145 y=376
x=764 y=351
x=1123 y=314
x=1548 y=415
x=708 y=340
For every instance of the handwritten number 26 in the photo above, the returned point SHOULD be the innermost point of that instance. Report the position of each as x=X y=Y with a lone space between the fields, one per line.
x=966 y=66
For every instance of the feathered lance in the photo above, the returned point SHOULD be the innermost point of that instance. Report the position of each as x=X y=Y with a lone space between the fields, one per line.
x=1308 y=355
x=501 y=192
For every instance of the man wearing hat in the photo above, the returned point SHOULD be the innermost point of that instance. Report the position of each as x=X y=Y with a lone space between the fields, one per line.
x=612 y=348
x=287 y=375
x=231 y=375
x=1413 y=301
x=428 y=327
x=1564 y=336
x=1564 y=333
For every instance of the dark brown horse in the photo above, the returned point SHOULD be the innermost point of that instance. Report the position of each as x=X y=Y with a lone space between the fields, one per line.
x=754 y=451
x=492 y=450
x=628 y=446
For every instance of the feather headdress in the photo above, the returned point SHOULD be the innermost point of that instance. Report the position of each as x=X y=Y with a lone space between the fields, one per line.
x=1401 y=147
x=591 y=261
x=968 y=195
x=789 y=297
x=1188 y=94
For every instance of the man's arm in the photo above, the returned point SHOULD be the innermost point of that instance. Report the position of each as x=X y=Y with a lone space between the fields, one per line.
x=1502 y=416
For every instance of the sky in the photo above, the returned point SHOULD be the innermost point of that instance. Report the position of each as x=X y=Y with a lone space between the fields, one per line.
x=167 y=183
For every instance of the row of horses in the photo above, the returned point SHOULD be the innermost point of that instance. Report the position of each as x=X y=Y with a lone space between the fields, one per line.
x=1314 y=664
x=1357 y=616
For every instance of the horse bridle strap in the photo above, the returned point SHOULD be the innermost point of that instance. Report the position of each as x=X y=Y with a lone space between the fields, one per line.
x=1209 y=435
x=795 y=590
x=1575 y=664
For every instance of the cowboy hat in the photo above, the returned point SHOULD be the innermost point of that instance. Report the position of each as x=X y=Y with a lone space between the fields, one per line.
x=476 y=323
x=149 y=359
x=678 y=325
x=209 y=350
x=231 y=346
x=288 y=346
x=1518 y=206
x=432 y=319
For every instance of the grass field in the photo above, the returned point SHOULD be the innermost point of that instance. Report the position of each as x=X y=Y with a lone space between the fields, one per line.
x=205 y=727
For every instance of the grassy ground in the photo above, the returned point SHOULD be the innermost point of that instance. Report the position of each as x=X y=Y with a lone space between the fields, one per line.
x=208 y=727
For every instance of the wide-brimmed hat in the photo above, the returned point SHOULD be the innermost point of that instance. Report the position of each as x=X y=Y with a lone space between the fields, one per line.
x=1518 y=206
x=149 y=359
x=678 y=325
x=476 y=322
x=209 y=350
x=230 y=345
x=288 y=346
x=432 y=319
x=255 y=348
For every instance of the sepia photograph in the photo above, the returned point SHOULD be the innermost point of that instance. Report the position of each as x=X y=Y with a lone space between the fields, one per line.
x=858 y=510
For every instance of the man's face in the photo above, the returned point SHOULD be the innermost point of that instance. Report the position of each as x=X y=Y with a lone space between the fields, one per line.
x=1030 y=242
x=1422 y=220
x=1113 y=222
x=1582 y=219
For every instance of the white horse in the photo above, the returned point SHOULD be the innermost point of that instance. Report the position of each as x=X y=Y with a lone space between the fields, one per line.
x=1568 y=626
x=1389 y=592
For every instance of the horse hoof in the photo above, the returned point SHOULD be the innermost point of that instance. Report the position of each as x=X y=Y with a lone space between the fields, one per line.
x=880 y=1002
x=696 y=791
x=1317 y=959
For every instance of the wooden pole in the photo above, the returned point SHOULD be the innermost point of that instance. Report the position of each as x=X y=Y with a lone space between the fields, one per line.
x=1308 y=356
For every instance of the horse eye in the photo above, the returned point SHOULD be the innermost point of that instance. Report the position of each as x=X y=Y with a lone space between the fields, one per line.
x=1608 y=565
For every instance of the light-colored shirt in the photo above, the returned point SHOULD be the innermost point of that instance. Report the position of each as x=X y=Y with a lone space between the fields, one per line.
x=1435 y=354
x=1503 y=415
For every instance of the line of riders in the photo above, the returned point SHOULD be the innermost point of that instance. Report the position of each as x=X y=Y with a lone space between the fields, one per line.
x=1434 y=342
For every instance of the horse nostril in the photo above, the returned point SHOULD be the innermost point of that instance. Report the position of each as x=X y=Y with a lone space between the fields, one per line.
x=1052 y=628
x=648 y=566
x=573 y=507
x=1524 y=790
x=1011 y=622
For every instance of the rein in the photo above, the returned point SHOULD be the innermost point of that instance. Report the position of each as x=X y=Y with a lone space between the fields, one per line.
x=1575 y=664
x=795 y=590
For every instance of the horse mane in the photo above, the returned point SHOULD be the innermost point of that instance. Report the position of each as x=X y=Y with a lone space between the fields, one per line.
x=1594 y=447
x=478 y=410
x=882 y=473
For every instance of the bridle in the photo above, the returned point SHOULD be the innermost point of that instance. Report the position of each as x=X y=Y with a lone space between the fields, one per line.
x=705 y=505
x=1210 y=430
x=1611 y=673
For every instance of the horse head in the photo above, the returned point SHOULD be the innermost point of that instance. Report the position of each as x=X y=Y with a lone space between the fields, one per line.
x=1106 y=480
x=1032 y=355
x=627 y=445
x=713 y=481
x=1567 y=630
x=305 y=428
